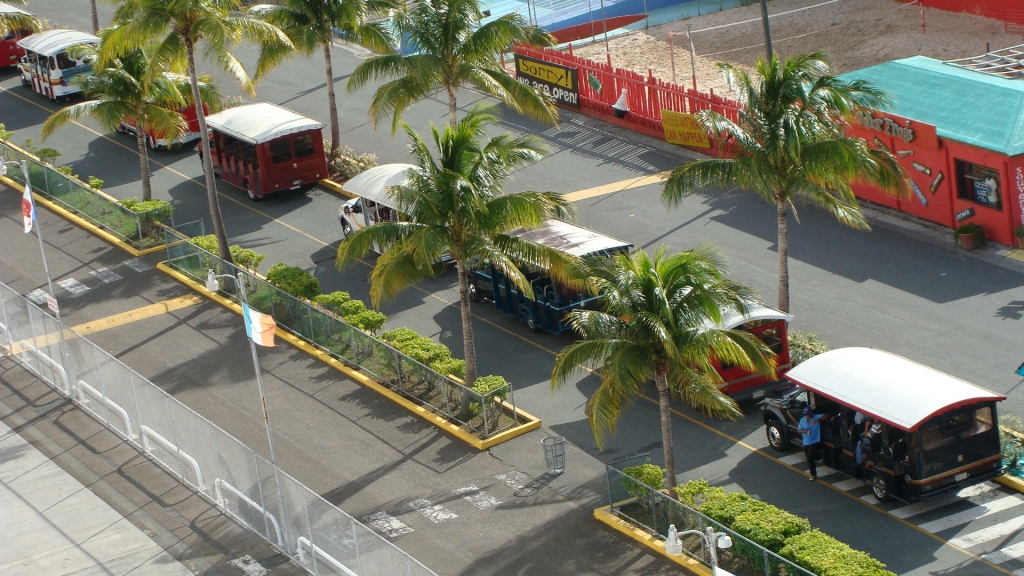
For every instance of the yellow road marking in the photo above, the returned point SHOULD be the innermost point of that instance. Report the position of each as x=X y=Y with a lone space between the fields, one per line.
x=121 y=319
x=618 y=186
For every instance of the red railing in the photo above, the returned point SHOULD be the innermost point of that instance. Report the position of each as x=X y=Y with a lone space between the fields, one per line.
x=647 y=96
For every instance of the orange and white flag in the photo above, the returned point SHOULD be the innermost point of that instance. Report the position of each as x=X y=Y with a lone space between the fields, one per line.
x=258 y=326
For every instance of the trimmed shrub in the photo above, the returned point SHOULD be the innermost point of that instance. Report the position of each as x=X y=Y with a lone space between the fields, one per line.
x=294 y=281
x=488 y=384
x=346 y=163
x=243 y=257
x=95 y=183
x=333 y=300
x=770 y=527
x=368 y=320
x=804 y=346
x=397 y=336
x=687 y=493
x=641 y=477
x=826 y=556
x=351 y=307
x=452 y=367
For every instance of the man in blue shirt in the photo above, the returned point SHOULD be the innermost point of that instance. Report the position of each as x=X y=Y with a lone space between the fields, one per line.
x=810 y=428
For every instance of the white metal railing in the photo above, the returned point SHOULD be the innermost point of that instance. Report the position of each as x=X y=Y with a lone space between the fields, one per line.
x=221 y=483
x=150 y=416
x=84 y=388
x=302 y=543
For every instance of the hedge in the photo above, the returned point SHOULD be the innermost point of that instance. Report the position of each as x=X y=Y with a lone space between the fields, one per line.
x=786 y=534
x=243 y=257
x=826 y=556
x=294 y=281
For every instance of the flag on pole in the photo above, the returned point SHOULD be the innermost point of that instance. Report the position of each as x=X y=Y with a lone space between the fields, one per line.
x=259 y=327
x=28 y=208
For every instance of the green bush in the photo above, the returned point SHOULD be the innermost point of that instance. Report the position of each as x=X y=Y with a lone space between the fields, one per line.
x=687 y=493
x=1011 y=439
x=487 y=384
x=452 y=367
x=155 y=210
x=804 y=346
x=346 y=163
x=243 y=257
x=333 y=300
x=351 y=307
x=643 y=477
x=758 y=521
x=95 y=183
x=5 y=134
x=826 y=556
x=396 y=336
x=294 y=281
x=368 y=320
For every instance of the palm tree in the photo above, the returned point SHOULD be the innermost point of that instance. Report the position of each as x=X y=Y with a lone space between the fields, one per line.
x=659 y=320
x=123 y=89
x=311 y=25
x=789 y=146
x=453 y=204
x=17 y=20
x=451 y=50
x=95 y=17
x=178 y=28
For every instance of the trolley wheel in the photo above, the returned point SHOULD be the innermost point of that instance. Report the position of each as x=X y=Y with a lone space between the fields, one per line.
x=474 y=294
x=251 y=191
x=878 y=485
x=778 y=439
x=25 y=83
x=531 y=321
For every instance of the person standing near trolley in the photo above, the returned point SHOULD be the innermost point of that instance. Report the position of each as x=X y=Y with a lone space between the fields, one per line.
x=810 y=428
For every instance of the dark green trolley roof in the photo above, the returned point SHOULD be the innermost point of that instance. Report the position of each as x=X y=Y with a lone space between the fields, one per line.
x=967 y=106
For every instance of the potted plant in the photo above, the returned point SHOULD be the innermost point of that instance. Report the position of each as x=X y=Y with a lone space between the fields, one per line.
x=969 y=236
x=1018 y=233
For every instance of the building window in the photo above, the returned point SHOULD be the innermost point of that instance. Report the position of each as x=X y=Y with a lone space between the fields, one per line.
x=977 y=183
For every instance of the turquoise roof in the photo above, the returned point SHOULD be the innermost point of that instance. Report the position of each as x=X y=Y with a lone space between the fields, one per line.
x=964 y=105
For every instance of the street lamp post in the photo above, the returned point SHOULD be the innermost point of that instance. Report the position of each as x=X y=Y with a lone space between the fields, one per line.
x=42 y=250
x=212 y=285
x=713 y=540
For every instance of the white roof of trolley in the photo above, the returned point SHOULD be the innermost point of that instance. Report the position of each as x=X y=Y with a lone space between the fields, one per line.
x=888 y=387
x=571 y=239
x=53 y=41
x=8 y=9
x=373 y=184
x=755 y=311
x=260 y=122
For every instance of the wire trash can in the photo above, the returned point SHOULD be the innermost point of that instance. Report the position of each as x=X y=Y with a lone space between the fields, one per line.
x=554 y=453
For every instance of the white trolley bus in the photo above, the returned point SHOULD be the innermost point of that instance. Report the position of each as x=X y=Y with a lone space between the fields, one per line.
x=47 y=68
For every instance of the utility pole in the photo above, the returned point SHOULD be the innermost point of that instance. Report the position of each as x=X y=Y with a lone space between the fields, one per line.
x=767 y=28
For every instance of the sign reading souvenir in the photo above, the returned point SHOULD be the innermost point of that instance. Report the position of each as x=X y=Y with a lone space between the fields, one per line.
x=935 y=183
x=559 y=82
x=921 y=168
x=905 y=129
x=683 y=129
x=964 y=215
x=904 y=153
x=920 y=195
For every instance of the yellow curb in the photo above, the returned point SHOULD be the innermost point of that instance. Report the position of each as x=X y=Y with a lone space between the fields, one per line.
x=421 y=411
x=1010 y=482
x=83 y=223
x=655 y=544
x=335 y=187
x=1015 y=254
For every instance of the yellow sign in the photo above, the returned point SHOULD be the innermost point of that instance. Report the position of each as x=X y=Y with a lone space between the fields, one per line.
x=545 y=72
x=683 y=129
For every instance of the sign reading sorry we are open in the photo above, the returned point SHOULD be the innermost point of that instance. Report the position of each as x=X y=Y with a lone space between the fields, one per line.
x=559 y=82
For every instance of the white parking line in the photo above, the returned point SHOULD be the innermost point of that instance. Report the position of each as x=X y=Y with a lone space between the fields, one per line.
x=1012 y=552
x=388 y=524
x=72 y=285
x=37 y=296
x=992 y=532
x=793 y=459
x=137 y=264
x=971 y=514
x=985 y=489
x=106 y=275
x=514 y=479
x=847 y=485
x=434 y=512
x=477 y=497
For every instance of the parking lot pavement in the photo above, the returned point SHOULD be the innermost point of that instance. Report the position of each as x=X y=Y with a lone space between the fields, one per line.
x=76 y=499
x=452 y=507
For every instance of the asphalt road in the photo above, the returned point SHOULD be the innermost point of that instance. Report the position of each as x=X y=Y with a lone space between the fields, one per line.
x=909 y=293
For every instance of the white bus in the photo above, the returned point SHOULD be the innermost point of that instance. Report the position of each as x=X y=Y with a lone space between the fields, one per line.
x=47 y=68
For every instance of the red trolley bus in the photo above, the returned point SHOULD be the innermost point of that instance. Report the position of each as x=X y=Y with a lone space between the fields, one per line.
x=47 y=68
x=264 y=148
x=10 y=52
x=771 y=327
x=158 y=140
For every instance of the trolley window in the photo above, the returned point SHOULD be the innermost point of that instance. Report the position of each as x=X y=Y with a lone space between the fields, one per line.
x=280 y=151
x=64 y=61
x=303 y=145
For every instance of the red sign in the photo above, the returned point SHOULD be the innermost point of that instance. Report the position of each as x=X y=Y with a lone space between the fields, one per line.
x=899 y=128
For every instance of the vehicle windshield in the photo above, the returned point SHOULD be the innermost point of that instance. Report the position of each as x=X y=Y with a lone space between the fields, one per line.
x=956 y=440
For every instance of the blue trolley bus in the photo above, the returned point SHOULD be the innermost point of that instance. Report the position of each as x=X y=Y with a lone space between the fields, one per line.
x=551 y=302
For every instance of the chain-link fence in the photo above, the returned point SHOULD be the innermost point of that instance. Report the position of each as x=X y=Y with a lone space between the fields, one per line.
x=296 y=520
x=137 y=229
x=485 y=414
x=653 y=510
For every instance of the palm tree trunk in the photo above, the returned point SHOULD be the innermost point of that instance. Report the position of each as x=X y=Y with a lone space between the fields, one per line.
x=332 y=102
x=661 y=381
x=204 y=143
x=95 y=17
x=452 y=108
x=783 y=257
x=468 y=345
x=140 y=141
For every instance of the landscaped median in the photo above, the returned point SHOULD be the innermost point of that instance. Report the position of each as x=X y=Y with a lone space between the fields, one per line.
x=133 y=226
x=399 y=365
x=765 y=539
